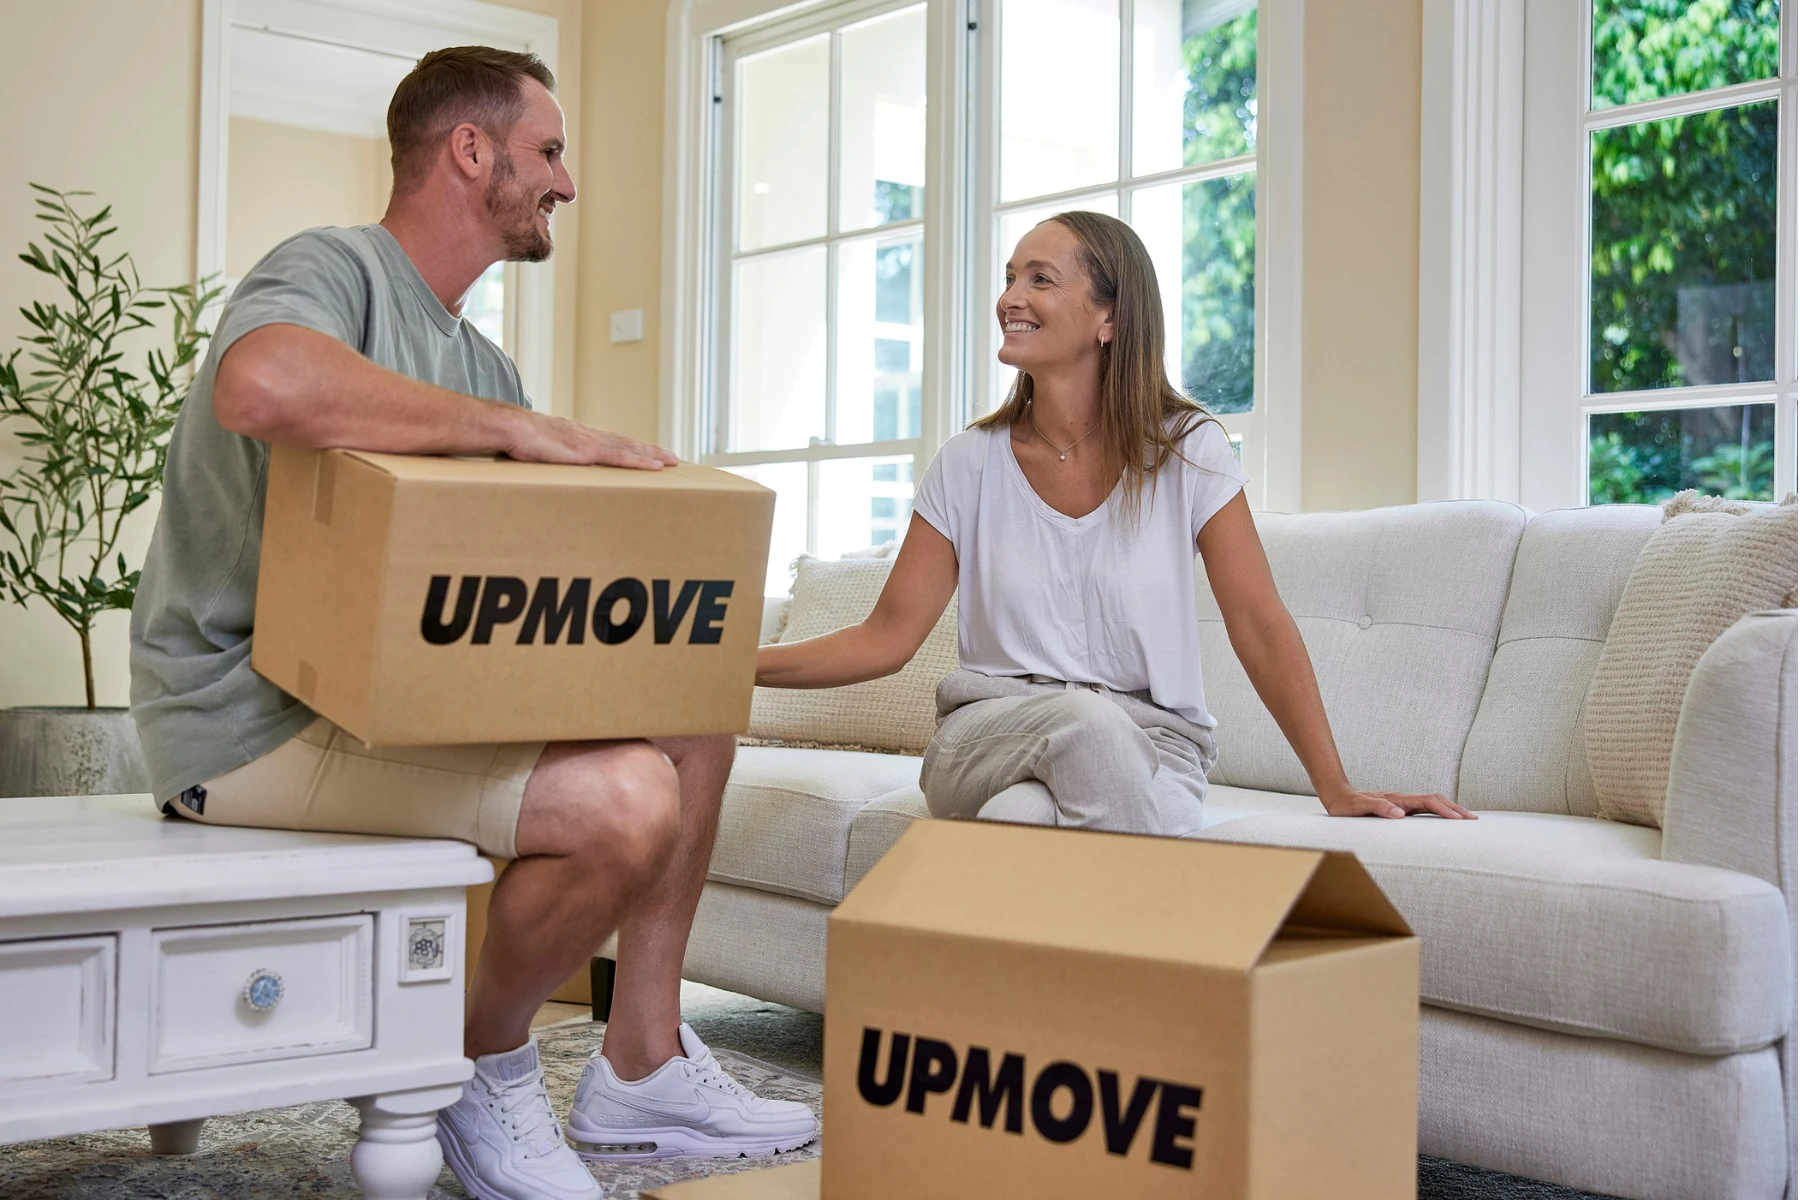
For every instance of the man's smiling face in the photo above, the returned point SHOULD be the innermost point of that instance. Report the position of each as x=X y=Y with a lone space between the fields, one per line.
x=529 y=179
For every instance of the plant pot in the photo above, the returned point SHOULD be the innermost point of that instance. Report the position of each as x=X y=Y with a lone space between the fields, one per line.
x=70 y=752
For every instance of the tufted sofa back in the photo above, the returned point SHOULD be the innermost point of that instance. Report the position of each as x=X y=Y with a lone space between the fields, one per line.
x=1401 y=609
x=1525 y=751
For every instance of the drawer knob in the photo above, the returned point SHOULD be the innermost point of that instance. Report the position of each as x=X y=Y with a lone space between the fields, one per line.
x=262 y=991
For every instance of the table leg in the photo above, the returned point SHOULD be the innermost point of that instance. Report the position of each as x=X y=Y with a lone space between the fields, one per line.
x=176 y=1137
x=396 y=1155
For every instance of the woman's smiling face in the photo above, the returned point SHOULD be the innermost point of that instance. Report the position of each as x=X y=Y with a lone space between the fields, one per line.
x=1047 y=313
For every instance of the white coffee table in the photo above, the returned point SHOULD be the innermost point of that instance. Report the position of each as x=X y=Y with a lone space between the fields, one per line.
x=155 y=971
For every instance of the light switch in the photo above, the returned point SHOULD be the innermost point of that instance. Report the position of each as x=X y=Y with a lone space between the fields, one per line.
x=628 y=326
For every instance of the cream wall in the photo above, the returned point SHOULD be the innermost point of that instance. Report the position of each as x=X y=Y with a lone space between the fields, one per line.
x=102 y=95
x=282 y=179
x=1360 y=261
x=619 y=196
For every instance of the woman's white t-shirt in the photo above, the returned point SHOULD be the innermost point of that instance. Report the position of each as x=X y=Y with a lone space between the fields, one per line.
x=1091 y=599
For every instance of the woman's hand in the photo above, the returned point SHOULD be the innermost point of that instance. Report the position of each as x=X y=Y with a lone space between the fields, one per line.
x=1351 y=803
x=918 y=589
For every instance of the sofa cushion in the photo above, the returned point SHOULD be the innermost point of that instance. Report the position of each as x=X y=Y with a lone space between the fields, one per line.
x=785 y=822
x=1571 y=924
x=1525 y=749
x=898 y=712
x=1399 y=608
x=1698 y=574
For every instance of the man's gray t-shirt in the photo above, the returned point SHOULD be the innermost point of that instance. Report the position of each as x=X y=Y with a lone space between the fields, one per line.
x=201 y=711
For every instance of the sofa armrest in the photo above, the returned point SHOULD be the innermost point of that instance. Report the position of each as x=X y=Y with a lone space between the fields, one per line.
x=1731 y=777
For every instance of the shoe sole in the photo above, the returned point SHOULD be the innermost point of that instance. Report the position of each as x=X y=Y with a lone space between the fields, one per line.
x=459 y=1167
x=675 y=1141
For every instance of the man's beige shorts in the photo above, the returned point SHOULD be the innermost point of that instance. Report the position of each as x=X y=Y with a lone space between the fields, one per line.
x=324 y=779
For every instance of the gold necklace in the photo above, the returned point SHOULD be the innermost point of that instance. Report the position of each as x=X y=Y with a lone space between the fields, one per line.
x=1062 y=453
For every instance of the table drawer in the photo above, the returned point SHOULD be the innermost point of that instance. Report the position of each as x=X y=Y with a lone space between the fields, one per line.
x=56 y=995
x=246 y=993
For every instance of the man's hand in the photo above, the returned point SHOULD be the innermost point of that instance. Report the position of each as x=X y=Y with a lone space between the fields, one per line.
x=546 y=439
x=1352 y=803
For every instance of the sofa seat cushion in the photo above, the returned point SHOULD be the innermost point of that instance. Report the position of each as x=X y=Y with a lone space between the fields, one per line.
x=785 y=823
x=1572 y=924
x=1232 y=803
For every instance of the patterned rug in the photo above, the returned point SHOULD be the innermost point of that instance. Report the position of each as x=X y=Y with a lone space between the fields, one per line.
x=304 y=1152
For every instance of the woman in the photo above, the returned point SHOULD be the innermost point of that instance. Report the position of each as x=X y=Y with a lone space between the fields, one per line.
x=1070 y=518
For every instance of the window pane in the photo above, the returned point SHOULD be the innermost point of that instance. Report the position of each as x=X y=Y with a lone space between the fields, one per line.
x=1684 y=250
x=778 y=351
x=1202 y=240
x=485 y=305
x=1059 y=95
x=881 y=339
x=1011 y=227
x=882 y=153
x=783 y=99
x=1647 y=49
x=787 y=540
x=1644 y=458
x=1194 y=82
x=863 y=502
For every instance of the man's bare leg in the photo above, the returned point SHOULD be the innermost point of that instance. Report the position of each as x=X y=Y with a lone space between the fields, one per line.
x=646 y=1009
x=596 y=830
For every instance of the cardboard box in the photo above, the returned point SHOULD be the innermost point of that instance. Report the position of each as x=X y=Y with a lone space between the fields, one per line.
x=799 y=1181
x=1015 y=1011
x=438 y=601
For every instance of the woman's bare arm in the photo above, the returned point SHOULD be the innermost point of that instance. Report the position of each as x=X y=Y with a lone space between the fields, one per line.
x=918 y=588
x=1268 y=644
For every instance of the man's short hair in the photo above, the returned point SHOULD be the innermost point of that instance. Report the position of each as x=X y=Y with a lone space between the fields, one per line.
x=478 y=84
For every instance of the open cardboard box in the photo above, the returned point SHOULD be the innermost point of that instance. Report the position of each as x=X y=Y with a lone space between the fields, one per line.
x=1016 y=1011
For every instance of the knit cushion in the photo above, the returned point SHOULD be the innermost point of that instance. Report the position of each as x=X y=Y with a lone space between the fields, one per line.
x=897 y=713
x=1698 y=574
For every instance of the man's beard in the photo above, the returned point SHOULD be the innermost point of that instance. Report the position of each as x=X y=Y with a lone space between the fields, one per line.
x=518 y=211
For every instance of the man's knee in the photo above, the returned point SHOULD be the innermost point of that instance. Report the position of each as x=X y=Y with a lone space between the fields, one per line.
x=625 y=806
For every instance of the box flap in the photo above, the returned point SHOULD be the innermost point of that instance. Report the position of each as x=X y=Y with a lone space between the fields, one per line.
x=1341 y=897
x=505 y=471
x=797 y=1182
x=1203 y=903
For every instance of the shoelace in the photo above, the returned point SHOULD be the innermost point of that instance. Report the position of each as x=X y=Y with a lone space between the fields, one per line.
x=525 y=1109
x=707 y=1072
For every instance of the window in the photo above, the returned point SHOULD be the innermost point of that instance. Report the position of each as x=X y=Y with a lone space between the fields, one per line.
x=485 y=305
x=821 y=307
x=1145 y=110
x=1686 y=331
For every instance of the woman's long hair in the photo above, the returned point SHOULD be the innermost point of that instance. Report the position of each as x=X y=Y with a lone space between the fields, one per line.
x=1143 y=417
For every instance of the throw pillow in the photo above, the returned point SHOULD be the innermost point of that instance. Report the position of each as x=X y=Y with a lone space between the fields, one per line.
x=1696 y=576
x=897 y=713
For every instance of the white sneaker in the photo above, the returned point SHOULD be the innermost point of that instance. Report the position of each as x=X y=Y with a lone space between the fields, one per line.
x=502 y=1139
x=689 y=1105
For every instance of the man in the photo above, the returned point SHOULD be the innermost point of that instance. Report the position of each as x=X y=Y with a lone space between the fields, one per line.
x=351 y=337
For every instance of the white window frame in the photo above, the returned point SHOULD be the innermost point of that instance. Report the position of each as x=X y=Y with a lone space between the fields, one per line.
x=961 y=155
x=713 y=427
x=1505 y=224
x=1268 y=433
x=402 y=27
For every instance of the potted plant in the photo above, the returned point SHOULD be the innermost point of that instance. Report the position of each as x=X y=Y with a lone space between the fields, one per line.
x=94 y=435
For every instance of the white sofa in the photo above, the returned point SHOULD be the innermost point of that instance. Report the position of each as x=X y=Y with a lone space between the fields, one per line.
x=1606 y=1006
